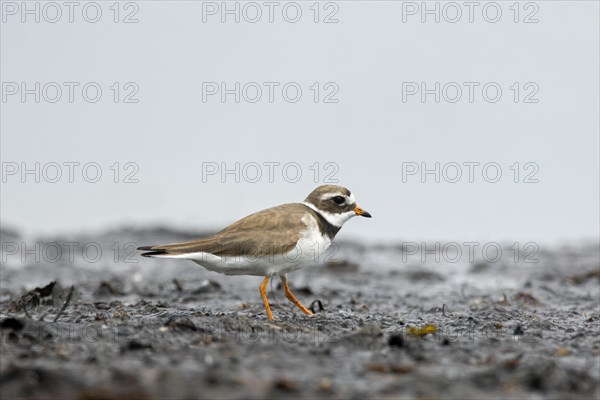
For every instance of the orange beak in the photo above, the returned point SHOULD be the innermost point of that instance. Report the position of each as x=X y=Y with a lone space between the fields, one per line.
x=361 y=212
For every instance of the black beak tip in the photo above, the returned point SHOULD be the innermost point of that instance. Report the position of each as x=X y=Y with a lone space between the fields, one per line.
x=366 y=214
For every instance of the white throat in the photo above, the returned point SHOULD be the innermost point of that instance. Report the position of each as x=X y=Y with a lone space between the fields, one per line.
x=336 y=220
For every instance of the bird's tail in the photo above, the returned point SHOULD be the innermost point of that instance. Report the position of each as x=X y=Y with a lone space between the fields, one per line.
x=159 y=251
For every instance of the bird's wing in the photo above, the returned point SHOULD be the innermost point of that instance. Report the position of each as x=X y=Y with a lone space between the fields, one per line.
x=272 y=231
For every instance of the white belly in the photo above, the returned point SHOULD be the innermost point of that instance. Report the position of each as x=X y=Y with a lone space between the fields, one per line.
x=307 y=251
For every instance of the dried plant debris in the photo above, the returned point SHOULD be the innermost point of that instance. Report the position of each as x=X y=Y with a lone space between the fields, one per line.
x=316 y=306
x=50 y=295
x=526 y=298
x=34 y=298
x=66 y=304
x=425 y=330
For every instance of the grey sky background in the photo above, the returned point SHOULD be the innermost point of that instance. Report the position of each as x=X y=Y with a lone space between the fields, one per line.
x=367 y=135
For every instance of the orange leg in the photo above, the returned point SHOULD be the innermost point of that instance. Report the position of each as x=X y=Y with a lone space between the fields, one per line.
x=263 y=294
x=290 y=296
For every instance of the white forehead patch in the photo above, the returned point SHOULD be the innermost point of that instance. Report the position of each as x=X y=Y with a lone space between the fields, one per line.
x=352 y=199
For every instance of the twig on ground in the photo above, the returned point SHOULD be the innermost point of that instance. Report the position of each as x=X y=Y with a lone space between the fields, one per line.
x=315 y=303
x=25 y=309
x=67 y=301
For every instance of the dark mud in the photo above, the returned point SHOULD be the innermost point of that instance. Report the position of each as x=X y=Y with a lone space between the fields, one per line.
x=145 y=328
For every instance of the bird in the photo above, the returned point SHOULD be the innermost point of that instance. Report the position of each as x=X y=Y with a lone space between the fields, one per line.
x=271 y=242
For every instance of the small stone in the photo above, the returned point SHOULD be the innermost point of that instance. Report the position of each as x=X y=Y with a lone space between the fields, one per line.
x=519 y=330
x=136 y=345
x=396 y=340
x=181 y=323
x=376 y=367
x=285 y=385
x=325 y=385
x=402 y=368
x=12 y=323
x=101 y=306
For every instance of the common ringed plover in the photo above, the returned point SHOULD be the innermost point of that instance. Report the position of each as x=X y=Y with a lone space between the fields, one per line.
x=271 y=242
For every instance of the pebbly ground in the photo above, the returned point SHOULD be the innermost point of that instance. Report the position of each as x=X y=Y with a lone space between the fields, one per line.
x=145 y=328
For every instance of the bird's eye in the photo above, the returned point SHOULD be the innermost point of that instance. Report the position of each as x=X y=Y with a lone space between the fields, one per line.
x=338 y=199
